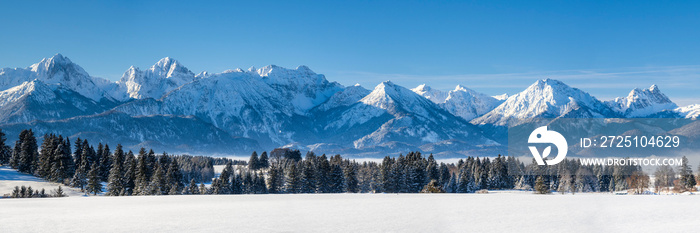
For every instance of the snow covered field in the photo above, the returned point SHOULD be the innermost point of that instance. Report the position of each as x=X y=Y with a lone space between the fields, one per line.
x=506 y=211
x=495 y=212
x=9 y=178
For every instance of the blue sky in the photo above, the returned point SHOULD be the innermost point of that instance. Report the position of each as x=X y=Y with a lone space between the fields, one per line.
x=606 y=48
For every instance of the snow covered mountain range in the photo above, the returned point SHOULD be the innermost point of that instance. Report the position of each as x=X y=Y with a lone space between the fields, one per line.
x=168 y=107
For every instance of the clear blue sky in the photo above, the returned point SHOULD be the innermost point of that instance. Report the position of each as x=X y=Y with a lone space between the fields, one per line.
x=606 y=48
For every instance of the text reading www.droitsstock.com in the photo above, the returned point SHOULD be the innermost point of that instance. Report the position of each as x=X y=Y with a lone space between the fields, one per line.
x=632 y=161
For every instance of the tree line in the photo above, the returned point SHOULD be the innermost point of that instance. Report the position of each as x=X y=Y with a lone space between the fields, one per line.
x=283 y=170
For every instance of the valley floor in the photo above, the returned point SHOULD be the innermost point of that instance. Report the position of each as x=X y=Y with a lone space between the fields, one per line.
x=493 y=212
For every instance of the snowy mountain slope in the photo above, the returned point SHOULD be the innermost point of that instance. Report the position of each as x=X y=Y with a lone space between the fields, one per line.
x=164 y=76
x=642 y=103
x=346 y=97
x=36 y=100
x=55 y=70
x=160 y=132
x=461 y=101
x=301 y=86
x=260 y=104
x=437 y=96
x=546 y=98
x=690 y=111
x=502 y=97
x=401 y=116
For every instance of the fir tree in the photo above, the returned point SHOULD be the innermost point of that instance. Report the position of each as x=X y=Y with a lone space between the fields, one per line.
x=294 y=179
x=351 y=182
x=323 y=174
x=59 y=192
x=157 y=183
x=687 y=180
x=264 y=161
x=5 y=152
x=115 y=185
x=129 y=174
x=433 y=169
x=274 y=179
x=192 y=188
x=63 y=166
x=174 y=178
x=540 y=186
x=337 y=180
x=308 y=176
x=105 y=162
x=142 y=179
x=203 y=189
x=14 y=158
x=28 y=152
x=254 y=162
x=94 y=184
x=81 y=173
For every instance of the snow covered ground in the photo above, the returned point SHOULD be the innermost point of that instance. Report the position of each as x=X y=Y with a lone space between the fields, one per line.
x=504 y=211
x=9 y=178
x=495 y=212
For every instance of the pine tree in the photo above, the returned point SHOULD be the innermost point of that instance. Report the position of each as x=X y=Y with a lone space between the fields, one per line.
x=444 y=174
x=81 y=173
x=451 y=186
x=47 y=156
x=337 y=180
x=59 y=192
x=94 y=184
x=274 y=178
x=158 y=182
x=264 y=161
x=222 y=185
x=115 y=185
x=308 y=176
x=253 y=162
x=129 y=174
x=14 y=158
x=540 y=186
x=174 y=178
x=237 y=184
x=142 y=179
x=28 y=152
x=351 y=182
x=294 y=179
x=687 y=180
x=203 y=189
x=192 y=188
x=323 y=174
x=5 y=152
x=386 y=175
x=260 y=184
x=105 y=162
x=433 y=169
x=466 y=183
x=63 y=166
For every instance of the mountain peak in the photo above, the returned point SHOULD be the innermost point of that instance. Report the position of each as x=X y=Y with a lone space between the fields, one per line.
x=169 y=65
x=654 y=88
x=642 y=102
x=546 y=98
x=55 y=61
